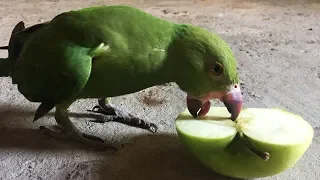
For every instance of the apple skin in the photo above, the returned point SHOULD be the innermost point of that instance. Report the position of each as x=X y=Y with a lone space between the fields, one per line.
x=230 y=157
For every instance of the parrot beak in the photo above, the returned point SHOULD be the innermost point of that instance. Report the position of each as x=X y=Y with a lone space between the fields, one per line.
x=232 y=99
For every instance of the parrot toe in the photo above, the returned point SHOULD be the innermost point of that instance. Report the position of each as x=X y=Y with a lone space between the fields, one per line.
x=58 y=132
x=117 y=115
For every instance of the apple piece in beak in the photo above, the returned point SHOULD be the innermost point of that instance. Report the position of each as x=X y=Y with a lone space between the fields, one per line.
x=232 y=99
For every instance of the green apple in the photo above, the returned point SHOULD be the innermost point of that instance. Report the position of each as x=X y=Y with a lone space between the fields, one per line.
x=260 y=142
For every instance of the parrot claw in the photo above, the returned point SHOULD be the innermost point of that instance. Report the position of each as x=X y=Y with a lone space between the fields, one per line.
x=96 y=109
x=153 y=128
x=113 y=114
x=100 y=110
x=58 y=132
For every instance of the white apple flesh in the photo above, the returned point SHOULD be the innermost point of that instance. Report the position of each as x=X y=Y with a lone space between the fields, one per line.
x=240 y=148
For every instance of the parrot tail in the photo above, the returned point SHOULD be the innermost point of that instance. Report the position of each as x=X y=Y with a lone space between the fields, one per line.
x=19 y=36
x=14 y=48
x=4 y=67
x=4 y=47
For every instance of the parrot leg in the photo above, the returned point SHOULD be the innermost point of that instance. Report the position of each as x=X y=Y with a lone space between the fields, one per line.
x=115 y=114
x=66 y=130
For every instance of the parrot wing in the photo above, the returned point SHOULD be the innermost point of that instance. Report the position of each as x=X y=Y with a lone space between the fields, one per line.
x=51 y=69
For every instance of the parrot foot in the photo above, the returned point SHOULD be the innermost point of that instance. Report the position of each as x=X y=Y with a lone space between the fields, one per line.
x=58 y=132
x=117 y=115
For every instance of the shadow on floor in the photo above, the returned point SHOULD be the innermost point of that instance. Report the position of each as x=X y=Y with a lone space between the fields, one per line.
x=151 y=156
x=34 y=139
x=18 y=131
x=156 y=157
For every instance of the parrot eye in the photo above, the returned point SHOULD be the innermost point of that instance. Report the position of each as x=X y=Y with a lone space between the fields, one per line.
x=217 y=69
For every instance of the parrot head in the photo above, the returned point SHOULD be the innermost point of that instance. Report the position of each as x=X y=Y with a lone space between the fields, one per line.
x=210 y=70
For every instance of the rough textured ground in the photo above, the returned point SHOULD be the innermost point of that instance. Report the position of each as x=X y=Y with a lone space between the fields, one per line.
x=277 y=44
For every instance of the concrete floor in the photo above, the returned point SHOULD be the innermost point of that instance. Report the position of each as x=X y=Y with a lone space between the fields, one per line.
x=277 y=44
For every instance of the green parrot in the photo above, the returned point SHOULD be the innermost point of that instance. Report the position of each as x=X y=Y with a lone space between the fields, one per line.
x=106 y=51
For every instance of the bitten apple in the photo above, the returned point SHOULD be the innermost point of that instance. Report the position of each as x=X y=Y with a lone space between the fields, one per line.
x=260 y=142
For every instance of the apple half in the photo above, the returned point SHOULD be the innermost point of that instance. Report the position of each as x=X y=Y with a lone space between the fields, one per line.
x=260 y=142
